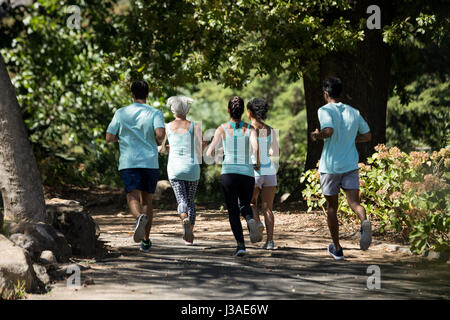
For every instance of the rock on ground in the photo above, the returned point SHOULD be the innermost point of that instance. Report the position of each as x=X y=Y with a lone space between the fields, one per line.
x=26 y=242
x=41 y=273
x=77 y=225
x=15 y=269
x=164 y=193
x=47 y=257
x=43 y=237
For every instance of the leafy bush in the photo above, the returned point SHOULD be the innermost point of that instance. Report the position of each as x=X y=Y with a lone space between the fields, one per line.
x=423 y=122
x=406 y=193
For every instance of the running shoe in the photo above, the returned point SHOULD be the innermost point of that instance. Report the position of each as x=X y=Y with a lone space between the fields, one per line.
x=366 y=235
x=260 y=227
x=188 y=243
x=139 y=229
x=255 y=235
x=146 y=245
x=269 y=245
x=240 y=250
x=336 y=254
x=187 y=235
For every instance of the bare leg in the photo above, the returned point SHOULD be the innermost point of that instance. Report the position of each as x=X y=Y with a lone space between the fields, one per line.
x=333 y=224
x=147 y=206
x=267 y=197
x=183 y=216
x=354 y=203
x=254 y=204
x=134 y=203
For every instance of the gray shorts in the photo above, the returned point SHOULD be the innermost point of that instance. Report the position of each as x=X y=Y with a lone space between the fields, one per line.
x=266 y=181
x=331 y=183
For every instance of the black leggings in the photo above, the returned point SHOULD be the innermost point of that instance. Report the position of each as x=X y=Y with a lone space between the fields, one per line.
x=238 y=192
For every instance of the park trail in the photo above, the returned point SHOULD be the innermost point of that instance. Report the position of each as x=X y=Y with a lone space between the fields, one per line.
x=299 y=268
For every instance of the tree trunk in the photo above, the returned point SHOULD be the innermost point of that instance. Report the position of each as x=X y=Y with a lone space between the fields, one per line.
x=20 y=183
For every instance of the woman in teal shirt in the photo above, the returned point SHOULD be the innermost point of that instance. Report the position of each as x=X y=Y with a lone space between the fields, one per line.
x=238 y=180
x=266 y=177
x=183 y=169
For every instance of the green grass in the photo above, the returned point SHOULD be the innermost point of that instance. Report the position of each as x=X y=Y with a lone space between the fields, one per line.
x=19 y=292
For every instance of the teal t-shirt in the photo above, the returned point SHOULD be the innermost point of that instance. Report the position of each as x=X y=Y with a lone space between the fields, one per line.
x=339 y=154
x=183 y=163
x=267 y=167
x=236 y=148
x=135 y=125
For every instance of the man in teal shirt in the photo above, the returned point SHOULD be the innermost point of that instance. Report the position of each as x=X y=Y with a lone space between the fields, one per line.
x=341 y=127
x=139 y=129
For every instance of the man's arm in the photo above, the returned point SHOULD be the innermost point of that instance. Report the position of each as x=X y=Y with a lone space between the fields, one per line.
x=111 y=137
x=363 y=127
x=160 y=135
x=366 y=137
x=164 y=147
x=113 y=129
x=322 y=134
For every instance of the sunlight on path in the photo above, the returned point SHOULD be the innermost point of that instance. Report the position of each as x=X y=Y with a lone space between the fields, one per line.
x=300 y=268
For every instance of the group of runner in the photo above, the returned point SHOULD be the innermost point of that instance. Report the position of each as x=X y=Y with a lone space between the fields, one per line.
x=244 y=151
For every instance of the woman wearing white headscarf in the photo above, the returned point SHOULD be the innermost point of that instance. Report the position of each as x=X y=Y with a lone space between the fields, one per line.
x=185 y=151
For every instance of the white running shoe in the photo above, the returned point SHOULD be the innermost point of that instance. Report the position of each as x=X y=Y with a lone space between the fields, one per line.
x=269 y=245
x=139 y=229
x=260 y=227
x=255 y=235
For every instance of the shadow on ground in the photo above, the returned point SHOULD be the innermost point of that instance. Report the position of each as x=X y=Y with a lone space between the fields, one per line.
x=209 y=271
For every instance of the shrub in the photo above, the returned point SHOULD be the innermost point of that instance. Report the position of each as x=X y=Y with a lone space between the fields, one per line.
x=406 y=193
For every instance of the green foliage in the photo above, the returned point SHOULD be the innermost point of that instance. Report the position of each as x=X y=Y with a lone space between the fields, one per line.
x=424 y=122
x=210 y=104
x=68 y=93
x=209 y=188
x=19 y=290
x=408 y=194
x=419 y=36
x=192 y=41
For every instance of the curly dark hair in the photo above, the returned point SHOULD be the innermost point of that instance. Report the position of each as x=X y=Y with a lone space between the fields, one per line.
x=258 y=107
x=236 y=107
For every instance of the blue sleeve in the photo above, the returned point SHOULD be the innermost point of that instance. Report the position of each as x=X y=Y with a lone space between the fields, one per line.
x=325 y=119
x=363 y=127
x=113 y=127
x=158 y=120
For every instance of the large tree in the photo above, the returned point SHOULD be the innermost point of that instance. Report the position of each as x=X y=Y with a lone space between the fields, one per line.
x=20 y=183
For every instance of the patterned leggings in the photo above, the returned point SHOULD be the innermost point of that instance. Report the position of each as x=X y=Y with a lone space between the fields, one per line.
x=185 y=194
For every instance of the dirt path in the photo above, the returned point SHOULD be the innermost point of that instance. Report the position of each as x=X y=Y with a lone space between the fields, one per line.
x=299 y=268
